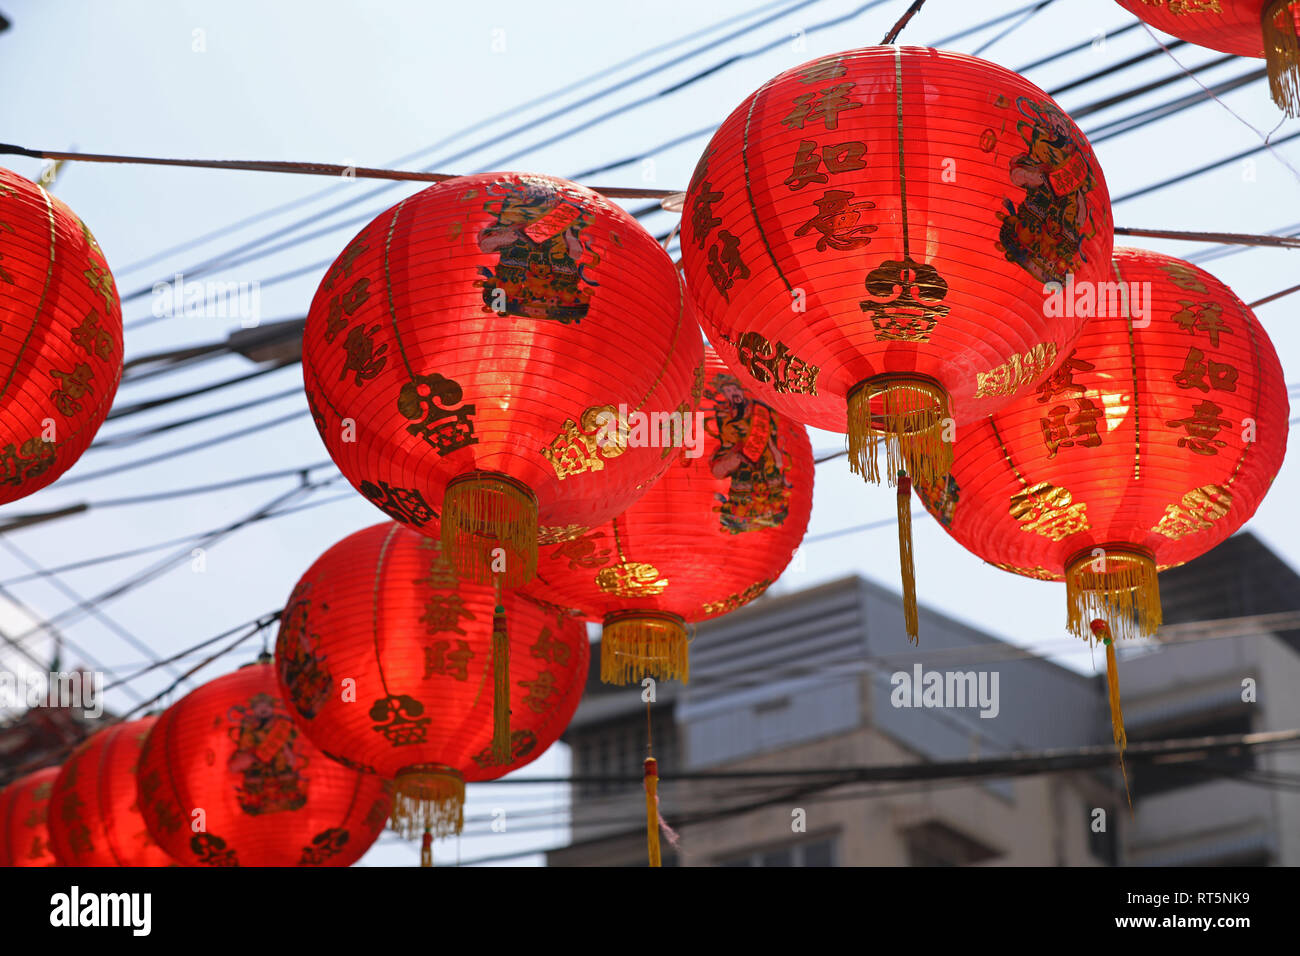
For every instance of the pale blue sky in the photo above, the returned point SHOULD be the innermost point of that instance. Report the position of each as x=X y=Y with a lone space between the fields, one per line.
x=366 y=83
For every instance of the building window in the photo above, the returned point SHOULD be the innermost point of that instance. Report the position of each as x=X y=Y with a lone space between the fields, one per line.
x=935 y=844
x=810 y=853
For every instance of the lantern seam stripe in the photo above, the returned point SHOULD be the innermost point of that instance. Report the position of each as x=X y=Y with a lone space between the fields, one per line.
x=1137 y=409
x=749 y=190
x=902 y=174
x=40 y=306
x=374 y=605
x=388 y=282
x=671 y=352
x=101 y=788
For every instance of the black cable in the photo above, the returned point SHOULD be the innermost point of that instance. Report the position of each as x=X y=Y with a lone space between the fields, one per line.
x=186 y=539
x=70 y=593
x=122 y=411
x=1208 y=167
x=183 y=450
x=451 y=139
x=1012 y=28
x=366 y=217
x=129 y=584
x=153 y=431
x=207 y=266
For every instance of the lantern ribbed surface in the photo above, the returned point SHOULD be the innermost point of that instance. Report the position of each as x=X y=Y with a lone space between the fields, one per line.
x=1230 y=26
x=711 y=535
x=1259 y=28
x=94 y=815
x=868 y=236
x=459 y=353
x=268 y=796
x=24 y=811
x=1156 y=439
x=385 y=609
x=60 y=337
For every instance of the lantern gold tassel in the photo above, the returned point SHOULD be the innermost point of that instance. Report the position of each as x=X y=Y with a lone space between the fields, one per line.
x=501 y=750
x=905 y=563
x=907 y=415
x=1102 y=630
x=1282 y=52
x=489 y=528
x=652 y=809
x=638 y=644
x=429 y=798
x=426 y=848
x=1117 y=583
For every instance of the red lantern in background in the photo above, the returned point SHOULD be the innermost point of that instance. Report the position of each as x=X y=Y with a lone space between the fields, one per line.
x=707 y=538
x=461 y=352
x=24 y=809
x=1259 y=28
x=867 y=239
x=229 y=756
x=1156 y=439
x=94 y=817
x=435 y=669
x=60 y=337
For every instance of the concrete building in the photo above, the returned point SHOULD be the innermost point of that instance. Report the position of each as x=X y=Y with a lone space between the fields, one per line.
x=812 y=680
x=1229 y=811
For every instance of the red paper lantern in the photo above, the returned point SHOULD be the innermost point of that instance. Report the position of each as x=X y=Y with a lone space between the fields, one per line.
x=228 y=756
x=1260 y=28
x=431 y=665
x=868 y=238
x=462 y=353
x=707 y=538
x=60 y=337
x=24 y=808
x=94 y=817
x=1155 y=440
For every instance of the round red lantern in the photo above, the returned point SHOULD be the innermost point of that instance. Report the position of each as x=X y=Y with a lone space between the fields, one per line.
x=868 y=238
x=60 y=337
x=24 y=810
x=1260 y=28
x=711 y=535
x=227 y=779
x=467 y=353
x=1155 y=439
x=431 y=669
x=94 y=815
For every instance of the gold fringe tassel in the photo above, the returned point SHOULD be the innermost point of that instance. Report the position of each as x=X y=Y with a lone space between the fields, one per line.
x=501 y=754
x=907 y=416
x=1102 y=630
x=634 y=645
x=906 y=564
x=426 y=848
x=484 y=511
x=429 y=799
x=652 y=809
x=1282 y=52
x=1120 y=586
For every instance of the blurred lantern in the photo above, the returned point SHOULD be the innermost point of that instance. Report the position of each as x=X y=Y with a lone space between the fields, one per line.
x=384 y=610
x=472 y=351
x=227 y=779
x=24 y=809
x=707 y=538
x=947 y=189
x=94 y=817
x=1156 y=439
x=1259 y=28
x=60 y=337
